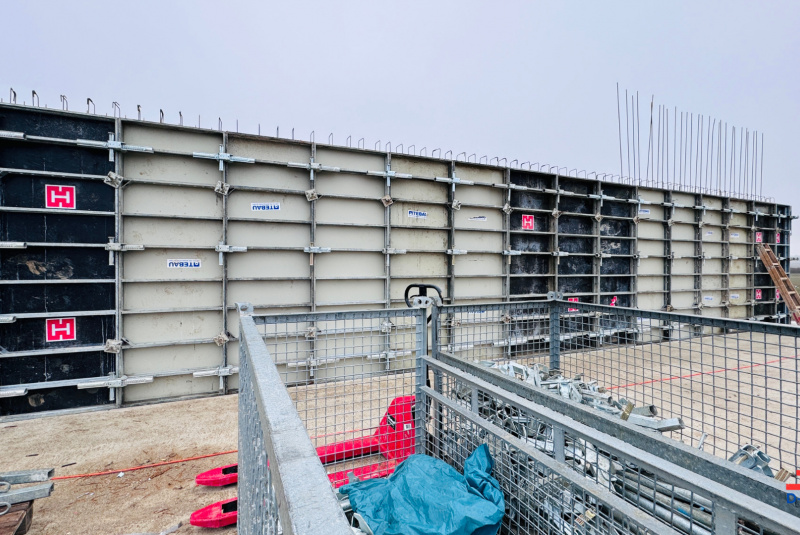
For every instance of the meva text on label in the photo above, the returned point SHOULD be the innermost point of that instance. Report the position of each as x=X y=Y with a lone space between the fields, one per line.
x=183 y=263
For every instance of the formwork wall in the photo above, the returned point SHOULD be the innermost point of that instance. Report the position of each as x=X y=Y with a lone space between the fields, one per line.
x=324 y=228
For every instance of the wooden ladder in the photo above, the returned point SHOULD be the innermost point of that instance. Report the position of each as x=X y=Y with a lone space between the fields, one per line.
x=781 y=280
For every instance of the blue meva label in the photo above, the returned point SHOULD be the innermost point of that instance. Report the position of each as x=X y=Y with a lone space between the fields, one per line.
x=265 y=206
x=184 y=263
x=417 y=214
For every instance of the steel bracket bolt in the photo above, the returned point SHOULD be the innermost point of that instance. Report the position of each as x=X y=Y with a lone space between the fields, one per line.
x=556 y=213
x=312 y=195
x=387 y=200
x=113 y=179
x=112 y=346
x=222 y=338
x=311 y=333
x=598 y=217
x=456 y=205
x=507 y=208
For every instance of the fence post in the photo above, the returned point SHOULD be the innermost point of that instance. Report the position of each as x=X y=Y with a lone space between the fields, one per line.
x=555 y=335
x=420 y=408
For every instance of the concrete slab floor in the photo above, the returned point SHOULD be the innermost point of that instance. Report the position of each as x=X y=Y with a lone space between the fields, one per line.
x=143 y=501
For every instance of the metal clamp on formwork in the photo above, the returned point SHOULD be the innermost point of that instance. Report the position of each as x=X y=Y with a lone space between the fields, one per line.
x=507 y=208
x=113 y=247
x=456 y=251
x=222 y=157
x=387 y=201
x=313 y=166
x=222 y=338
x=456 y=204
x=13 y=245
x=394 y=251
x=223 y=248
x=113 y=145
x=116 y=383
x=223 y=188
x=113 y=346
x=8 y=319
x=559 y=253
x=311 y=195
x=512 y=253
x=314 y=249
x=220 y=371
x=454 y=180
x=114 y=180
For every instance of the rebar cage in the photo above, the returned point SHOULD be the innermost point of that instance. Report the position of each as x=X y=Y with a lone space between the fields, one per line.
x=327 y=397
x=720 y=384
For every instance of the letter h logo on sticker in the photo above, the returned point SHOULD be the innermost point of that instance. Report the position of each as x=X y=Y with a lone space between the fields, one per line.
x=527 y=221
x=60 y=330
x=59 y=197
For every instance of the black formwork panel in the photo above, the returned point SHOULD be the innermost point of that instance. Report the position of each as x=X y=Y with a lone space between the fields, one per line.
x=55 y=278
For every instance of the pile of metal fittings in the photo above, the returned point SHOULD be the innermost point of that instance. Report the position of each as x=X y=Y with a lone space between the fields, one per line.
x=588 y=393
x=545 y=495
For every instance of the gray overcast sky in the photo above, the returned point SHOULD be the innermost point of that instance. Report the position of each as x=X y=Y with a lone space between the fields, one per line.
x=527 y=80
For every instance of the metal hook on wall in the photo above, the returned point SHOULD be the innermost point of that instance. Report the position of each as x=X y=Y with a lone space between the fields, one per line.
x=117 y=111
x=504 y=160
x=378 y=145
x=293 y=134
x=360 y=143
x=412 y=149
x=160 y=116
x=93 y=108
x=425 y=150
x=139 y=111
x=12 y=96
x=514 y=160
x=180 y=118
x=34 y=98
x=64 y=103
x=388 y=146
x=311 y=137
x=349 y=141
x=459 y=154
x=219 y=124
x=399 y=148
x=473 y=155
x=523 y=163
x=482 y=158
x=434 y=152
x=330 y=139
x=446 y=153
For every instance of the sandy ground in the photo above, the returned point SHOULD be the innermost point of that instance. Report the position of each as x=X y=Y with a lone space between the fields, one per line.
x=144 y=501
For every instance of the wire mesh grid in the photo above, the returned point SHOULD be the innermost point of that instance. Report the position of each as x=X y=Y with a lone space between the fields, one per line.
x=721 y=384
x=351 y=376
x=540 y=497
x=686 y=511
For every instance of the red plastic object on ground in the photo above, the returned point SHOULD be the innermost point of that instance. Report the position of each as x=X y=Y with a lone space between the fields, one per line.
x=216 y=515
x=394 y=439
x=219 y=477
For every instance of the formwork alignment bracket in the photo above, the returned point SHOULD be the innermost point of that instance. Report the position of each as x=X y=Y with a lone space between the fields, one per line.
x=222 y=157
x=313 y=166
x=117 y=383
x=224 y=248
x=394 y=251
x=389 y=174
x=221 y=371
x=113 y=145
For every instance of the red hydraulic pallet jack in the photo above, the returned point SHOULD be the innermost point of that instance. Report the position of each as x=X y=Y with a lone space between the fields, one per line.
x=394 y=439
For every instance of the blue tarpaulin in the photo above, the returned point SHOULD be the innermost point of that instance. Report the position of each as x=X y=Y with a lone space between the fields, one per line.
x=426 y=496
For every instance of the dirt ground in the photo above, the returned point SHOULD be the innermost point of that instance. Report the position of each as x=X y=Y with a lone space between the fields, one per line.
x=144 y=501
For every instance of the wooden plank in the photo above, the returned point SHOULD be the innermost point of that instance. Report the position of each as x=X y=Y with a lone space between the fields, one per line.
x=17 y=520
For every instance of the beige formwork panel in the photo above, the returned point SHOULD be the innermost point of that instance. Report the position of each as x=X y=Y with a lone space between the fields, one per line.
x=172 y=387
x=167 y=138
x=169 y=327
x=172 y=290
x=341 y=292
x=274 y=296
x=351 y=211
x=358 y=161
x=346 y=265
x=683 y=231
x=268 y=235
x=165 y=232
x=274 y=177
x=338 y=237
x=171 y=359
x=173 y=294
x=153 y=199
x=419 y=239
x=418 y=167
x=171 y=169
x=282 y=206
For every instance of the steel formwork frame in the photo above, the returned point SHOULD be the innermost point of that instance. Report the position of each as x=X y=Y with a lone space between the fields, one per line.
x=757 y=216
x=283 y=486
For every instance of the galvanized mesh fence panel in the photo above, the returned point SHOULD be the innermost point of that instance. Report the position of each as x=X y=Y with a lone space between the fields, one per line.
x=730 y=383
x=348 y=373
